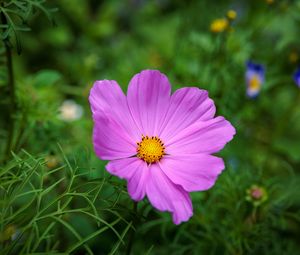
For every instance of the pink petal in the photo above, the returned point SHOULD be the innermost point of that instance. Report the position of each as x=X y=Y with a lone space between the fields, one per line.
x=187 y=106
x=108 y=97
x=148 y=100
x=135 y=171
x=110 y=139
x=164 y=195
x=194 y=172
x=201 y=137
x=137 y=183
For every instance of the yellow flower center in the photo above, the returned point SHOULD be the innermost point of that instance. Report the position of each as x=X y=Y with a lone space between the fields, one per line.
x=150 y=149
x=254 y=83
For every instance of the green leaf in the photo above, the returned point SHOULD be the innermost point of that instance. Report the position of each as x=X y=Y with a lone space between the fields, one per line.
x=46 y=78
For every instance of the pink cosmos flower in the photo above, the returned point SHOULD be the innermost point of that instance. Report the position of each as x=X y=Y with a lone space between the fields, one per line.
x=160 y=143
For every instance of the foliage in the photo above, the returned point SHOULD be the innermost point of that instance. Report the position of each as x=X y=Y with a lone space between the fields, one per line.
x=15 y=15
x=59 y=199
x=47 y=208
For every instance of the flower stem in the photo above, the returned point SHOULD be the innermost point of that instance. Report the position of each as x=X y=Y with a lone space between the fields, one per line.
x=11 y=88
x=132 y=234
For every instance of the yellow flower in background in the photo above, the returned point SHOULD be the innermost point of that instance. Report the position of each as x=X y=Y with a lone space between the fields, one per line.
x=270 y=1
x=219 y=25
x=231 y=14
x=293 y=57
x=8 y=233
x=51 y=161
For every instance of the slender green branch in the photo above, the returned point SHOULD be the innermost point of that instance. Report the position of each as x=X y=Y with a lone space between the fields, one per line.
x=11 y=88
x=132 y=234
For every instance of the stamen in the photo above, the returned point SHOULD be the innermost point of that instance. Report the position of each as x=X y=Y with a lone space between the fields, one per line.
x=150 y=149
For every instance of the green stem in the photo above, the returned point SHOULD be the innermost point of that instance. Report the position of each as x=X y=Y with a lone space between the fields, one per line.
x=132 y=234
x=11 y=88
x=254 y=215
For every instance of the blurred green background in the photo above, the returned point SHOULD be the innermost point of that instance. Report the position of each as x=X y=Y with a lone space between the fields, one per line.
x=56 y=197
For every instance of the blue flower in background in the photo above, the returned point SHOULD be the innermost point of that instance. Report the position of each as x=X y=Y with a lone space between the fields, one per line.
x=297 y=77
x=255 y=76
